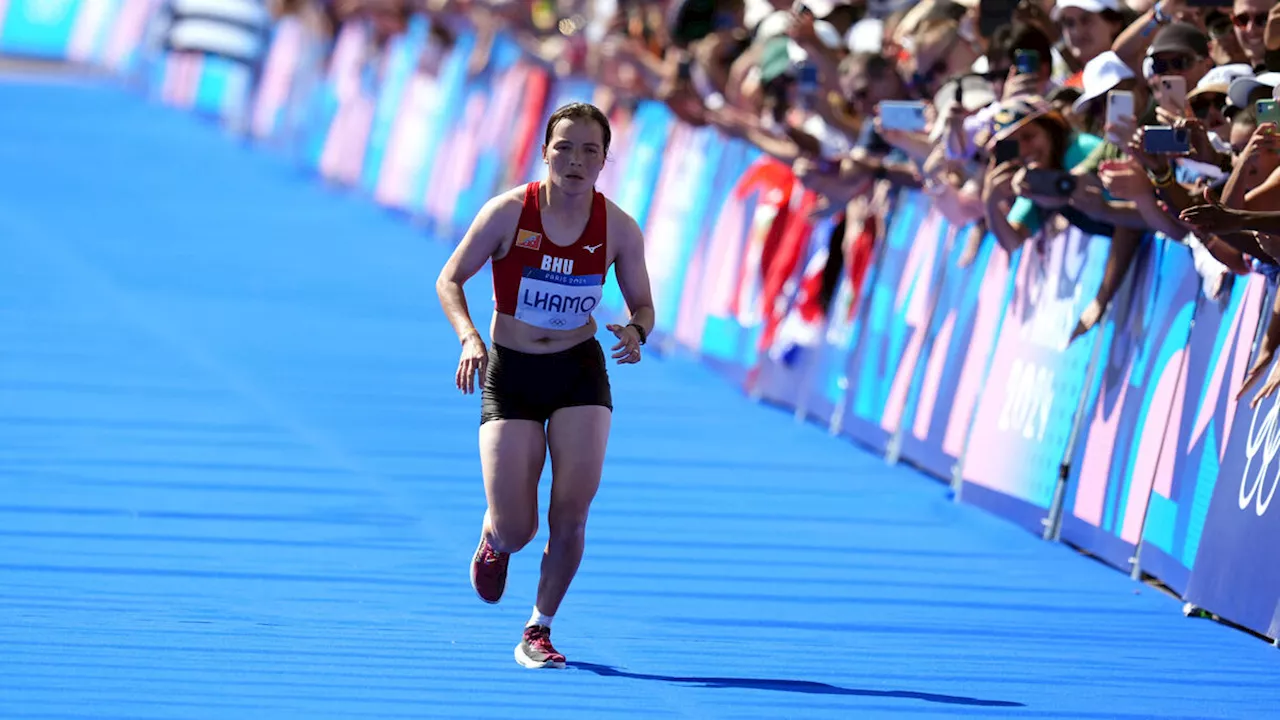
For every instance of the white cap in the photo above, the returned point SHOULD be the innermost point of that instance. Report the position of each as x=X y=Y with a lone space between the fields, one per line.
x=866 y=36
x=1089 y=6
x=1225 y=75
x=1100 y=75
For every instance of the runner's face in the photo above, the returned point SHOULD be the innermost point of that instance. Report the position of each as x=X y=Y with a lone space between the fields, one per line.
x=575 y=155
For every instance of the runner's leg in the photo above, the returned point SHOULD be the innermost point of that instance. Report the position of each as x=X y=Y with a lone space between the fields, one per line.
x=512 y=453
x=578 y=437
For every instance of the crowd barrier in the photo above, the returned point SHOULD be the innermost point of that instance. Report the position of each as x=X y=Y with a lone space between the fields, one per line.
x=1127 y=442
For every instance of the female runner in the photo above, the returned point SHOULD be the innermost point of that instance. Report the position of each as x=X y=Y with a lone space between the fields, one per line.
x=545 y=381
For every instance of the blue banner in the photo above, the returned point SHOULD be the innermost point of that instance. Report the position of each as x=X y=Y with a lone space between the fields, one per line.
x=1117 y=457
x=882 y=362
x=1236 y=575
x=39 y=28
x=1218 y=353
x=1028 y=406
x=398 y=68
x=963 y=329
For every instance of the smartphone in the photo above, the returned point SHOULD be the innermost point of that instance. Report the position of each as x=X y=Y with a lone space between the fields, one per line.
x=806 y=85
x=1268 y=111
x=1006 y=150
x=1164 y=140
x=1119 y=105
x=1027 y=62
x=903 y=115
x=1171 y=92
x=1051 y=183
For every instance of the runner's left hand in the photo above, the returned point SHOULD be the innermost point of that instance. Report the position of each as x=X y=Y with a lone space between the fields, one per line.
x=627 y=351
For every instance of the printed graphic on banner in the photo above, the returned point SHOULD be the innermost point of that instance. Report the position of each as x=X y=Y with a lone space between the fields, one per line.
x=883 y=360
x=1218 y=355
x=1236 y=575
x=1135 y=399
x=39 y=28
x=1035 y=380
x=970 y=308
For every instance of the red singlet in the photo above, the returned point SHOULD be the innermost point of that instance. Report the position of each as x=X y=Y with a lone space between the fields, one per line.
x=544 y=284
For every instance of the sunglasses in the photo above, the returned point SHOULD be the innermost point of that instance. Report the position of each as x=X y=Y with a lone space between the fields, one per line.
x=1243 y=20
x=1178 y=63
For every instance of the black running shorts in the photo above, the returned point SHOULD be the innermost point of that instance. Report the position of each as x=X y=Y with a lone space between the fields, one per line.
x=529 y=386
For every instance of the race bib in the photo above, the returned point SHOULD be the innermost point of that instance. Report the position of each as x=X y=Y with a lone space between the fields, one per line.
x=557 y=301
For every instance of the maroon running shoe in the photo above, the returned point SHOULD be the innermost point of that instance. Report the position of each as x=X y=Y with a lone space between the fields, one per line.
x=489 y=572
x=535 y=650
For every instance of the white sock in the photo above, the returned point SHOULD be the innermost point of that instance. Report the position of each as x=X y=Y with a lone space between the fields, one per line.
x=539 y=619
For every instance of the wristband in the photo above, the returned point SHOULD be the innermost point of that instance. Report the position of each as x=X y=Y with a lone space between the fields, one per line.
x=639 y=331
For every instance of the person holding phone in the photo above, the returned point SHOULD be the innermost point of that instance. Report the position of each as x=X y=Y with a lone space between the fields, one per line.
x=1047 y=146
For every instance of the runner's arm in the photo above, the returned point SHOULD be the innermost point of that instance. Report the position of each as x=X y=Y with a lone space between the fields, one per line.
x=632 y=273
x=482 y=241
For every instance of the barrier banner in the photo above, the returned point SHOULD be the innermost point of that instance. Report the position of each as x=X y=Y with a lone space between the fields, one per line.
x=970 y=308
x=747 y=235
x=400 y=62
x=42 y=28
x=290 y=62
x=828 y=388
x=1236 y=575
x=631 y=178
x=676 y=218
x=790 y=362
x=341 y=81
x=482 y=141
x=1116 y=459
x=126 y=37
x=711 y=280
x=92 y=32
x=1028 y=406
x=883 y=360
x=1218 y=354
x=438 y=93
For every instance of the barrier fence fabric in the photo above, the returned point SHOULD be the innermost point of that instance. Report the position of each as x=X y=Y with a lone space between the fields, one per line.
x=1128 y=440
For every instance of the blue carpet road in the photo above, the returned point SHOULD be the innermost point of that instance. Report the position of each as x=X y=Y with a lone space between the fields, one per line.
x=236 y=482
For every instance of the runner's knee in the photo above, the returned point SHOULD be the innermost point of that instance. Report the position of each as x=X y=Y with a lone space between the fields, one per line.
x=567 y=523
x=512 y=533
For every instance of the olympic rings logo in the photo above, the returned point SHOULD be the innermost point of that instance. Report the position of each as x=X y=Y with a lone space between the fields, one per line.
x=1267 y=439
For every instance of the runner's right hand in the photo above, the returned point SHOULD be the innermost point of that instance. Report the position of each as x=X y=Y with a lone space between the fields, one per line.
x=474 y=361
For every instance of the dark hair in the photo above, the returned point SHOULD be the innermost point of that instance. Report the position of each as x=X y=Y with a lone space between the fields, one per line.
x=1029 y=37
x=579 y=111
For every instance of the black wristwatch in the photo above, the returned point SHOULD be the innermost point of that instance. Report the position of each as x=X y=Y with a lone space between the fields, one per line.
x=640 y=331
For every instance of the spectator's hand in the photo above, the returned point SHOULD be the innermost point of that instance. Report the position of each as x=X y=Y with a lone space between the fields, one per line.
x=973 y=244
x=998 y=185
x=1156 y=164
x=1018 y=85
x=1121 y=130
x=1212 y=218
x=1047 y=202
x=1265 y=357
x=1262 y=155
x=1088 y=319
x=1124 y=179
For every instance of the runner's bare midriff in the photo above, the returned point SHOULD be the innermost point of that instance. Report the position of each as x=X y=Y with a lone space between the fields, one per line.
x=522 y=337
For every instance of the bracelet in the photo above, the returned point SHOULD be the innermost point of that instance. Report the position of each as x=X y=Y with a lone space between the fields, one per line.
x=465 y=335
x=640 y=331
